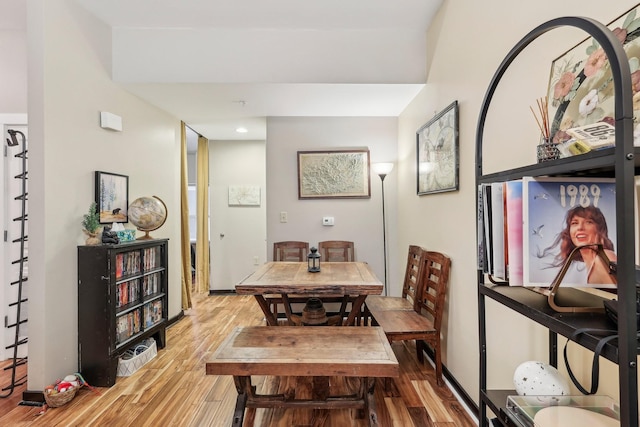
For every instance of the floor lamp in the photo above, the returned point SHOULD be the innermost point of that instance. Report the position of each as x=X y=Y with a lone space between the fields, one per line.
x=382 y=170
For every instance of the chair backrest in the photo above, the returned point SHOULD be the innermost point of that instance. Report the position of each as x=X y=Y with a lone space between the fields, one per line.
x=336 y=251
x=290 y=251
x=434 y=283
x=413 y=273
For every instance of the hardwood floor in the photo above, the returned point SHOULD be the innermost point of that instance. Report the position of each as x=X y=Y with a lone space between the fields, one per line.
x=173 y=390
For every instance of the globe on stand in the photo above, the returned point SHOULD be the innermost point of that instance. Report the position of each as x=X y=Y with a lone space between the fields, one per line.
x=147 y=214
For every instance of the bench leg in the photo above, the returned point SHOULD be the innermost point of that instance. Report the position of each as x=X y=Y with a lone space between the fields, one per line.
x=320 y=390
x=243 y=386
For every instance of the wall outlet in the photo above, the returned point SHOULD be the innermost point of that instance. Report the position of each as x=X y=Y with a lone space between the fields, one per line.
x=327 y=220
x=283 y=217
x=256 y=260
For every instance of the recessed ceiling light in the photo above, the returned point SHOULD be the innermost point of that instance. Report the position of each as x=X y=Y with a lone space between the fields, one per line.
x=241 y=130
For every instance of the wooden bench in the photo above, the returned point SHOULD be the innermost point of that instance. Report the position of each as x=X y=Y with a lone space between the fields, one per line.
x=318 y=352
x=423 y=323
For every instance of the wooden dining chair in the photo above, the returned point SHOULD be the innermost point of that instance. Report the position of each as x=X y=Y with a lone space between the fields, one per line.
x=290 y=251
x=424 y=323
x=336 y=251
x=430 y=304
x=410 y=285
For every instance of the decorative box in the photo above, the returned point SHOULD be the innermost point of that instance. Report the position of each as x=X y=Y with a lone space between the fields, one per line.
x=136 y=358
x=564 y=411
x=127 y=235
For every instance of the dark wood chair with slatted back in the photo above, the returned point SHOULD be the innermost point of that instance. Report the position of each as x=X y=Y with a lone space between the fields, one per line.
x=412 y=276
x=424 y=323
x=290 y=251
x=336 y=251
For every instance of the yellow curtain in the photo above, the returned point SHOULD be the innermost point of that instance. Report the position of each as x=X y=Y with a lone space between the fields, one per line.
x=202 y=219
x=185 y=240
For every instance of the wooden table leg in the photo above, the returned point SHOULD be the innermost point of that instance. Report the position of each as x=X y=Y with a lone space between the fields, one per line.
x=268 y=315
x=343 y=306
x=287 y=309
x=355 y=310
x=370 y=402
x=243 y=387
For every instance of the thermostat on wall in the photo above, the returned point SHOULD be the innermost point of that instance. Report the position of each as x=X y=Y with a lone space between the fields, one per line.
x=327 y=220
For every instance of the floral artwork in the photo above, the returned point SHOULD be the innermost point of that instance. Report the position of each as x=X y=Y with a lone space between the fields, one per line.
x=244 y=195
x=437 y=152
x=581 y=88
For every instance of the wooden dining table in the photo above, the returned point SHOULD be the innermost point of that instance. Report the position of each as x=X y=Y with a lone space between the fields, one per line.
x=351 y=281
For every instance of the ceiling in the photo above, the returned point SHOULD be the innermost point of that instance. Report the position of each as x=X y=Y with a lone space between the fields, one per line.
x=219 y=64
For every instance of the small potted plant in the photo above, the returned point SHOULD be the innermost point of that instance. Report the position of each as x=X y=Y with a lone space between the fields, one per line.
x=90 y=225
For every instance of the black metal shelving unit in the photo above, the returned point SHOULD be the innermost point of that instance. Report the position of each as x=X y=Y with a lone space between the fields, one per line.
x=622 y=162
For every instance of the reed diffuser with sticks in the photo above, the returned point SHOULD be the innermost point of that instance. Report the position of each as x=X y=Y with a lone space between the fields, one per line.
x=547 y=150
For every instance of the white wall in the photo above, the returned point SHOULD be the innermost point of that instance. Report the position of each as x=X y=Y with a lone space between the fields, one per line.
x=69 y=84
x=238 y=233
x=467 y=42
x=358 y=220
x=13 y=76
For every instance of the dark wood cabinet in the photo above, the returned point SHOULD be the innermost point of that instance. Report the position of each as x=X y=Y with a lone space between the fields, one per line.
x=122 y=300
x=621 y=162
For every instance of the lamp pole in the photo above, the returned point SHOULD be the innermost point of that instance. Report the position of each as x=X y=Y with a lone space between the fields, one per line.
x=384 y=234
x=383 y=169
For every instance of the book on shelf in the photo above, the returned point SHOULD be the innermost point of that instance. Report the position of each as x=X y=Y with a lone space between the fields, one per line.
x=127 y=264
x=493 y=256
x=559 y=214
x=486 y=227
x=151 y=258
x=513 y=218
x=497 y=230
x=128 y=325
x=150 y=284
x=482 y=252
x=127 y=292
x=152 y=313
x=596 y=136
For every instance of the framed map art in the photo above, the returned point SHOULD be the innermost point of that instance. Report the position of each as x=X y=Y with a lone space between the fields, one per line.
x=334 y=174
x=437 y=152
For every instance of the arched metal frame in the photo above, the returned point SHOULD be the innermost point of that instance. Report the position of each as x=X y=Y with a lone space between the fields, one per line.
x=623 y=163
